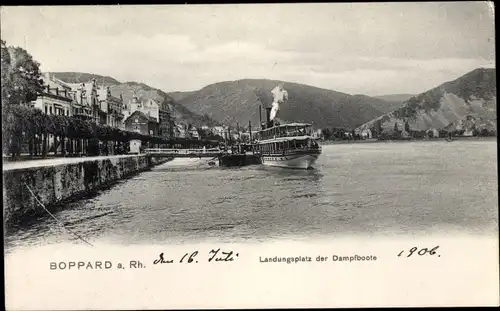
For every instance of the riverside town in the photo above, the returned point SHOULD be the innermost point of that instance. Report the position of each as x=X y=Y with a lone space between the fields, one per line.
x=67 y=135
x=45 y=117
x=203 y=149
x=83 y=132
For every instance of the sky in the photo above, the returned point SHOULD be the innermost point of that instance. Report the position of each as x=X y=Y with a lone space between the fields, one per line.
x=356 y=48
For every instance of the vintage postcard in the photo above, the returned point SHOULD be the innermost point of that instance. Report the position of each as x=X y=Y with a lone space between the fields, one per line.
x=324 y=155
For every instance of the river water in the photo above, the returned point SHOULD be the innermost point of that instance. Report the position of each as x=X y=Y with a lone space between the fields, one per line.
x=370 y=189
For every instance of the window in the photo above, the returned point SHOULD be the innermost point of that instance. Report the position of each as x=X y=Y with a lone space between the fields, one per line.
x=50 y=109
x=45 y=109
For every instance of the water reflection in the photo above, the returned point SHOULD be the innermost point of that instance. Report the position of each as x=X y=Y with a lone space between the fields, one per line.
x=368 y=189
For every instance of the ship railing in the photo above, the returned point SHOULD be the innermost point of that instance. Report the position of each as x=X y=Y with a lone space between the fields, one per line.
x=305 y=148
x=182 y=151
x=293 y=150
x=286 y=134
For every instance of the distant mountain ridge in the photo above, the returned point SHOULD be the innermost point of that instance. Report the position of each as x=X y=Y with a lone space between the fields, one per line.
x=81 y=77
x=238 y=101
x=469 y=99
x=399 y=98
x=143 y=91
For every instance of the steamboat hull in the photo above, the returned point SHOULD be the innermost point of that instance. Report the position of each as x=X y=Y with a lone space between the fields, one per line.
x=299 y=161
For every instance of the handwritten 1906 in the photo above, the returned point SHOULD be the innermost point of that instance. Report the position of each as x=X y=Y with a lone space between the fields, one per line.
x=421 y=252
x=214 y=255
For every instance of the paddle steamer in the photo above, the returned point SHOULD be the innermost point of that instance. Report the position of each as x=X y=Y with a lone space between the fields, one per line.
x=287 y=145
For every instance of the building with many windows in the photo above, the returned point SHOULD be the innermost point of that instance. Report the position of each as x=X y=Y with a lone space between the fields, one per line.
x=111 y=107
x=96 y=103
x=166 y=122
x=180 y=131
x=220 y=131
x=141 y=123
x=150 y=108
x=86 y=104
x=160 y=113
x=193 y=133
x=56 y=97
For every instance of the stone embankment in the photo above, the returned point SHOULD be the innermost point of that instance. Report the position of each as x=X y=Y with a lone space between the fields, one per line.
x=56 y=183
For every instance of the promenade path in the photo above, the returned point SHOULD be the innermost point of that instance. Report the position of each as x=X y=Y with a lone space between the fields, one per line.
x=56 y=161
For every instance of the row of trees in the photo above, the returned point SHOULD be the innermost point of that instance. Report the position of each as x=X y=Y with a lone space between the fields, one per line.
x=206 y=134
x=339 y=134
x=406 y=125
x=20 y=76
x=397 y=132
x=25 y=125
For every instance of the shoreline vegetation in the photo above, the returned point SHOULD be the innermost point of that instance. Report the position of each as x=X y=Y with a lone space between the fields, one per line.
x=375 y=140
x=27 y=130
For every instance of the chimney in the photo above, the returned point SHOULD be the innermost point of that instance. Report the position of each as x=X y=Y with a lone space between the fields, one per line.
x=250 y=131
x=260 y=117
x=268 y=117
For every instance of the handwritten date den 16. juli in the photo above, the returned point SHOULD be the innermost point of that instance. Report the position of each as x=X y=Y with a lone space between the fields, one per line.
x=420 y=252
x=215 y=255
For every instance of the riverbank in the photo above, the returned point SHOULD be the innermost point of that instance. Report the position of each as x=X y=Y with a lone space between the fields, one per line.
x=374 y=140
x=11 y=165
x=30 y=184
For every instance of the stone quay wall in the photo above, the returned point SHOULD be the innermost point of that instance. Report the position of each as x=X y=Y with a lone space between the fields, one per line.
x=58 y=184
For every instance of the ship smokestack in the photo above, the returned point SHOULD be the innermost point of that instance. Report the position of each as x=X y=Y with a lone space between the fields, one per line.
x=268 y=117
x=260 y=118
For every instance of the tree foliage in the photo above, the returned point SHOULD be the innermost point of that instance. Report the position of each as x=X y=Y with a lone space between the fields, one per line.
x=31 y=121
x=21 y=76
x=378 y=126
x=407 y=126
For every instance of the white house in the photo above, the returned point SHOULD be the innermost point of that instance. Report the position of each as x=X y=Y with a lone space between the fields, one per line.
x=468 y=132
x=150 y=108
x=193 y=132
x=55 y=98
x=111 y=106
x=219 y=130
x=366 y=134
x=87 y=105
x=179 y=131
x=135 y=146
x=317 y=134
x=433 y=133
x=235 y=136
